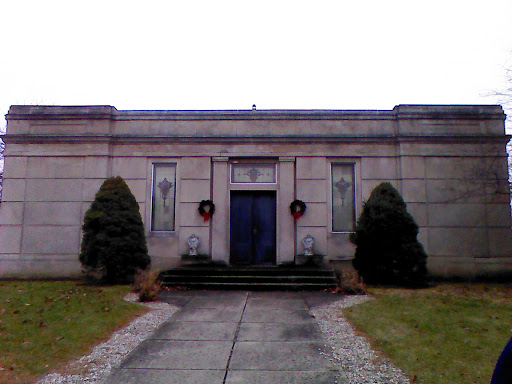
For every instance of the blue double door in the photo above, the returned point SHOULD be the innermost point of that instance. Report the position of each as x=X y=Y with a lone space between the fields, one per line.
x=253 y=227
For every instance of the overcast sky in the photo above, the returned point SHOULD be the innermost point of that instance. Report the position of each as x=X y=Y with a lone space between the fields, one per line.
x=232 y=54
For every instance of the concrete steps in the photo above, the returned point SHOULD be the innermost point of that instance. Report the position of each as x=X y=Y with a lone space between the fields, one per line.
x=213 y=276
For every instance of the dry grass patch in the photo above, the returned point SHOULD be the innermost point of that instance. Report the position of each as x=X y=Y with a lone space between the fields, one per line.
x=45 y=324
x=448 y=334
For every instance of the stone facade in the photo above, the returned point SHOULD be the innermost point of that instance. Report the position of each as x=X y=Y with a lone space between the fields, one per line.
x=449 y=162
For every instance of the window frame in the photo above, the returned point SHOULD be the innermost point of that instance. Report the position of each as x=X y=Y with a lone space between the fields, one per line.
x=253 y=163
x=154 y=165
x=354 y=164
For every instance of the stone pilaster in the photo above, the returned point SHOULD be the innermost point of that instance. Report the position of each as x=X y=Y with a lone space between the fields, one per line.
x=286 y=226
x=220 y=220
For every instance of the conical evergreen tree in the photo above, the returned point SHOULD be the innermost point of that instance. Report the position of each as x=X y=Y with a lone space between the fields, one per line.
x=114 y=241
x=387 y=248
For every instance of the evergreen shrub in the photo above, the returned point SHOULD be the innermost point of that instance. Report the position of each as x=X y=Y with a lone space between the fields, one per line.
x=114 y=242
x=387 y=248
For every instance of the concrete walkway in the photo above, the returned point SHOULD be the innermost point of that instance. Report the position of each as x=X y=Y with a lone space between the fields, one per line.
x=235 y=337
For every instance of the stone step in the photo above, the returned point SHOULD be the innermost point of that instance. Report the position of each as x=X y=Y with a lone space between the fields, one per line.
x=248 y=277
x=249 y=271
x=231 y=278
x=251 y=286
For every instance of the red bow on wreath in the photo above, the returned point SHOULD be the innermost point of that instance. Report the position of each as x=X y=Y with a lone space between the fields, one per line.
x=206 y=209
x=297 y=209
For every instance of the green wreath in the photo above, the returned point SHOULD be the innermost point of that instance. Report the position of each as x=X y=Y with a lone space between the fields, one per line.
x=297 y=208
x=206 y=209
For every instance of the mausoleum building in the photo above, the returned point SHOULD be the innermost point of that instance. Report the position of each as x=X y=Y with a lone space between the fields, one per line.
x=448 y=162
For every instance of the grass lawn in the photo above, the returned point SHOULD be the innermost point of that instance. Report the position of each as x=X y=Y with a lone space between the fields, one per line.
x=44 y=324
x=451 y=333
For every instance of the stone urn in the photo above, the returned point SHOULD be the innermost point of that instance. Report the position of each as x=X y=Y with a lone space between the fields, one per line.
x=308 y=243
x=193 y=243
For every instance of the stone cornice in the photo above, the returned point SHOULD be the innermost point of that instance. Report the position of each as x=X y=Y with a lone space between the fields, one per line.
x=296 y=139
x=449 y=112
x=256 y=115
x=440 y=112
x=43 y=112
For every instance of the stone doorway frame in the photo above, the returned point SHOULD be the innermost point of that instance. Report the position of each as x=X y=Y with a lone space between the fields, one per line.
x=285 y=194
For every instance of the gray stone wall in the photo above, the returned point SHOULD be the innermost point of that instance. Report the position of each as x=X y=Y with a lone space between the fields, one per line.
x=449 y=162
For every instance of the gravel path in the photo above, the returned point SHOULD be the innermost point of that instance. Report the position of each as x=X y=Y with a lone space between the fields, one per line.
x=107 y=356
x=359 y=362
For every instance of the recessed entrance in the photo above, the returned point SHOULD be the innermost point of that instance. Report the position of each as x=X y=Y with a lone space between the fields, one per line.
x=253 y=227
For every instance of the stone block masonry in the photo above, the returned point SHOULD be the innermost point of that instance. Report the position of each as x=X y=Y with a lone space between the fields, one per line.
x=449 y=162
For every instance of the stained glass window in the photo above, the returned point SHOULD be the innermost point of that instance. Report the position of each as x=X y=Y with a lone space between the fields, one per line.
x=253 y=173
x=164 y=187
x=343 y=207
